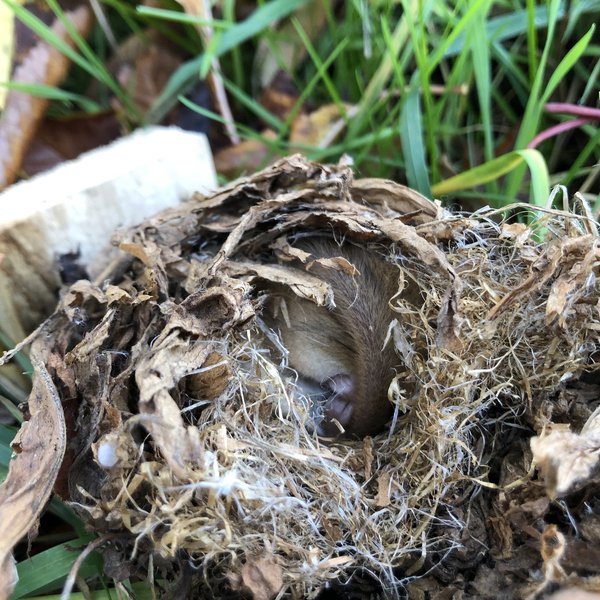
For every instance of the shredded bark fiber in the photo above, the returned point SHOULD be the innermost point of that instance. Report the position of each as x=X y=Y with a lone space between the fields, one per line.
x=188 y=434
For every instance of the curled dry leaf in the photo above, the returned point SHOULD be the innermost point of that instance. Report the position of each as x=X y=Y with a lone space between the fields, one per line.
x=566 y=459
x=39 y=448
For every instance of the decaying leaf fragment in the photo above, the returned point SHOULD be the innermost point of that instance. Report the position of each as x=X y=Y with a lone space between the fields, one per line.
x=39 y=448
x=260 y=576
x=566 y=459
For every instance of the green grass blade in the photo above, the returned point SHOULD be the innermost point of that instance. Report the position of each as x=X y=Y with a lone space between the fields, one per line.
x=139 y=591
x=480 y=51
x=441 y=50
x=512 y=71
x=50 y=568
x=357 y=143
x=52 y=93
x=58 y=508
x=20 y=358
x=6 y=437
x=181 y=17
x=540 y=180
x=12 y=390
x=310 y=86
x=582 y=157
x=393 y=56
x=319 y=65
x=45 y=33
x=420 y=42
x=11 y=407
x=566 y=64
x=411 y=138
x=262 y=113
x=534 y=107
x=531 y=40
x=379 y=80
x=516 y=23
x=492 y=170
x=89 y=62
x=246 y=132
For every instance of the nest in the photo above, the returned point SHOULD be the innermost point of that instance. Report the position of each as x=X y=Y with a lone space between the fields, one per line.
x=187 y=439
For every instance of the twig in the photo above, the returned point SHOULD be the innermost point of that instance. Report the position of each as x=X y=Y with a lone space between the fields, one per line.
x=201 y=8
x=70 y=582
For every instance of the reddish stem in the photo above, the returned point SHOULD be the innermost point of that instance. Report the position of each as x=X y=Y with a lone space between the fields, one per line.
x=573 y=109
x=556 y=129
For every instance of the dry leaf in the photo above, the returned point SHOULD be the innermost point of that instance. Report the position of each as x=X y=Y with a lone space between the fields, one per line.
x=262 y=577
x=414 y=207
x=519 y=232
x=39 y=447
x=58 y=140
x=321 y=127
x=143 y=65
x=570 y=286
x=281 y=96
x=566 y=459
x=22 y=113
x=245 y=157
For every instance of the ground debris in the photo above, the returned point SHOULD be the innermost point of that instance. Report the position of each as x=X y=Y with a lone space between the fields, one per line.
x=189 y=434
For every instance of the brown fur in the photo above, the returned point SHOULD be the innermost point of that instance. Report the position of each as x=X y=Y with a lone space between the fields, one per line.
x=340 y=351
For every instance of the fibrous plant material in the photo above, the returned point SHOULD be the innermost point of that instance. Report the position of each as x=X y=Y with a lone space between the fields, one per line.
x=188 y=433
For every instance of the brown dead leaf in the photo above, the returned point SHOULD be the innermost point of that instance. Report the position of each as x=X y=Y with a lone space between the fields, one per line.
x=396 y=196
x=170 y=360
x=262 y=577
x=39 y=447
x=245 y=157
x=563 y=256
x=519 y=232
x=211 y=379
x=173 y=357
x=301 y=283
x=449 y=321
x=143 y=65
x=567 y=459
x=58 y=140
x=22 y=113
x=280 y=97
x=570 y=285
x=321 y=127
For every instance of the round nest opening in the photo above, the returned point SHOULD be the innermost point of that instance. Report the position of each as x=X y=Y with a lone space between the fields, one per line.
x=190 y=441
